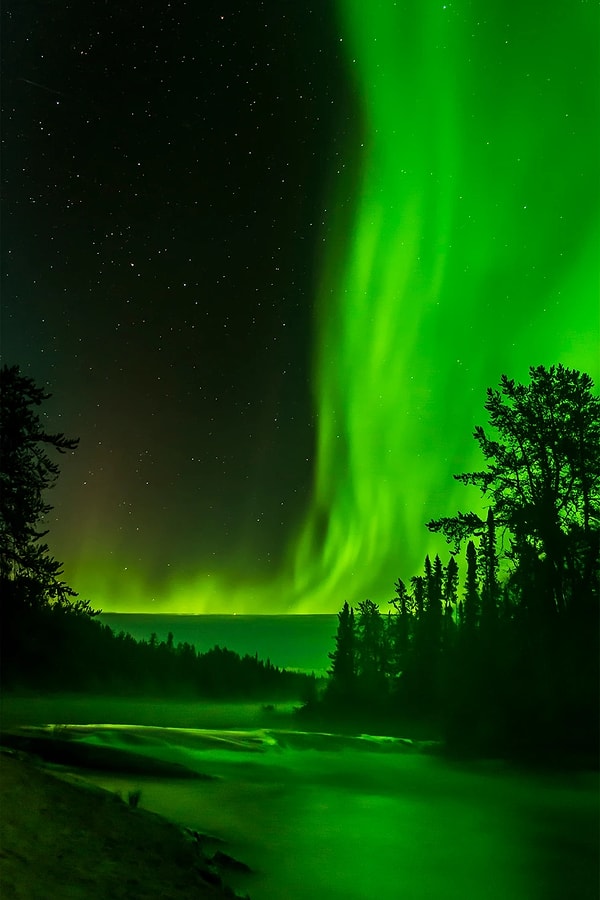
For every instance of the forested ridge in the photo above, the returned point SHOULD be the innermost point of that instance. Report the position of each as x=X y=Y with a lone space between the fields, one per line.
x=53 y=648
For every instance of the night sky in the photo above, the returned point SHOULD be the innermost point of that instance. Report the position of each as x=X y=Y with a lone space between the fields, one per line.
x=268 y=256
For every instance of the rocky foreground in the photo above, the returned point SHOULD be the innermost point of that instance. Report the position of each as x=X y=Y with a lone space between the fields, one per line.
x=61 y=838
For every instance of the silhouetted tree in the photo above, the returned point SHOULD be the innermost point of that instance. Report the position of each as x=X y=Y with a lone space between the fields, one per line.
x=400 y=627
x=489 y=582
x=434 y=579
x=543 y=483
x=471 y=599
x=342 y=683
x=418 y=586
x=29 y=574
x=372 y=654
x=450 y=601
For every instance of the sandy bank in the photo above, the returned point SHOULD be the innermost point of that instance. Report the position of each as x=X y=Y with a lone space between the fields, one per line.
x=62 y=839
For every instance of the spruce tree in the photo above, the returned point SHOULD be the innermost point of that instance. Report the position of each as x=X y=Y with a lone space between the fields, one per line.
x=372 y=651
x=342 y=673
x=450 y=600
x=400 y=624
x=418 y=586
x=29 y=574
x=434 y=578
x=490 y=589
x=471 y=598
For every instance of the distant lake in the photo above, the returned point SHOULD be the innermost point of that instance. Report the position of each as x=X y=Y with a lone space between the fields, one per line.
x=290 y=642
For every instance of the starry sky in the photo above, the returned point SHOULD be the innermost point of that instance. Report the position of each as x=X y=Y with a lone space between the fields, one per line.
x=267 y=257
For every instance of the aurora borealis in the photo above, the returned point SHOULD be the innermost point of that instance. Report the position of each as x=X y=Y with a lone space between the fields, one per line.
x=268 y=262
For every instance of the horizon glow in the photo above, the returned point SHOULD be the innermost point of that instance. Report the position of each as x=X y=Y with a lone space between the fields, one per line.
x=462 y=244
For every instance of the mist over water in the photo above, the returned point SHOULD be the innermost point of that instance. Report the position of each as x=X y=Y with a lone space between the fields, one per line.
x=340 y=818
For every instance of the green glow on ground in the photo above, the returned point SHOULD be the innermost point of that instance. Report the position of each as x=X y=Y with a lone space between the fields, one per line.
x=471 y=250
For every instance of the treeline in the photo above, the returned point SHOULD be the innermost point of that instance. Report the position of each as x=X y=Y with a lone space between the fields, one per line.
x=503 y=659
x=50 y=639
x=56 y=648
x=466 y=665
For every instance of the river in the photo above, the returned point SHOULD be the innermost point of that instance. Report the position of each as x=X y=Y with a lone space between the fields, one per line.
x=329 y=817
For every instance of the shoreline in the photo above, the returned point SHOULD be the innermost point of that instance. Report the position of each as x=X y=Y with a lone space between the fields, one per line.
x=242 y=796
x=62 y=836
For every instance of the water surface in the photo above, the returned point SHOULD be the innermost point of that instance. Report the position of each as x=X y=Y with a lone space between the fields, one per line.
x=338 y=818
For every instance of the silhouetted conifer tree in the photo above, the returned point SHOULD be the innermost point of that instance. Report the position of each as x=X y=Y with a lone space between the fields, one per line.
x=430 y=631
x=489 y=575
x=372 y=651
x=450 y=601
x=341 y=687
x=34 y=635
x=471 y=599
x=418 y=585
x=29 y=574
x=400 y=627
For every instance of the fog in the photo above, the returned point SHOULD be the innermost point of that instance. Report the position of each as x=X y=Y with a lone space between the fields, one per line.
x=332 y=817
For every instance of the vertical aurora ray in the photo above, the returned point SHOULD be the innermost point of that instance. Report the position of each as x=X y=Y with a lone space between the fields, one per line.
x=470 y=254
x=461 y=242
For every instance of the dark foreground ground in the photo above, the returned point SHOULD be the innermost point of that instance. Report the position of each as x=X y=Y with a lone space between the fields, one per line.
x=62 y=839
